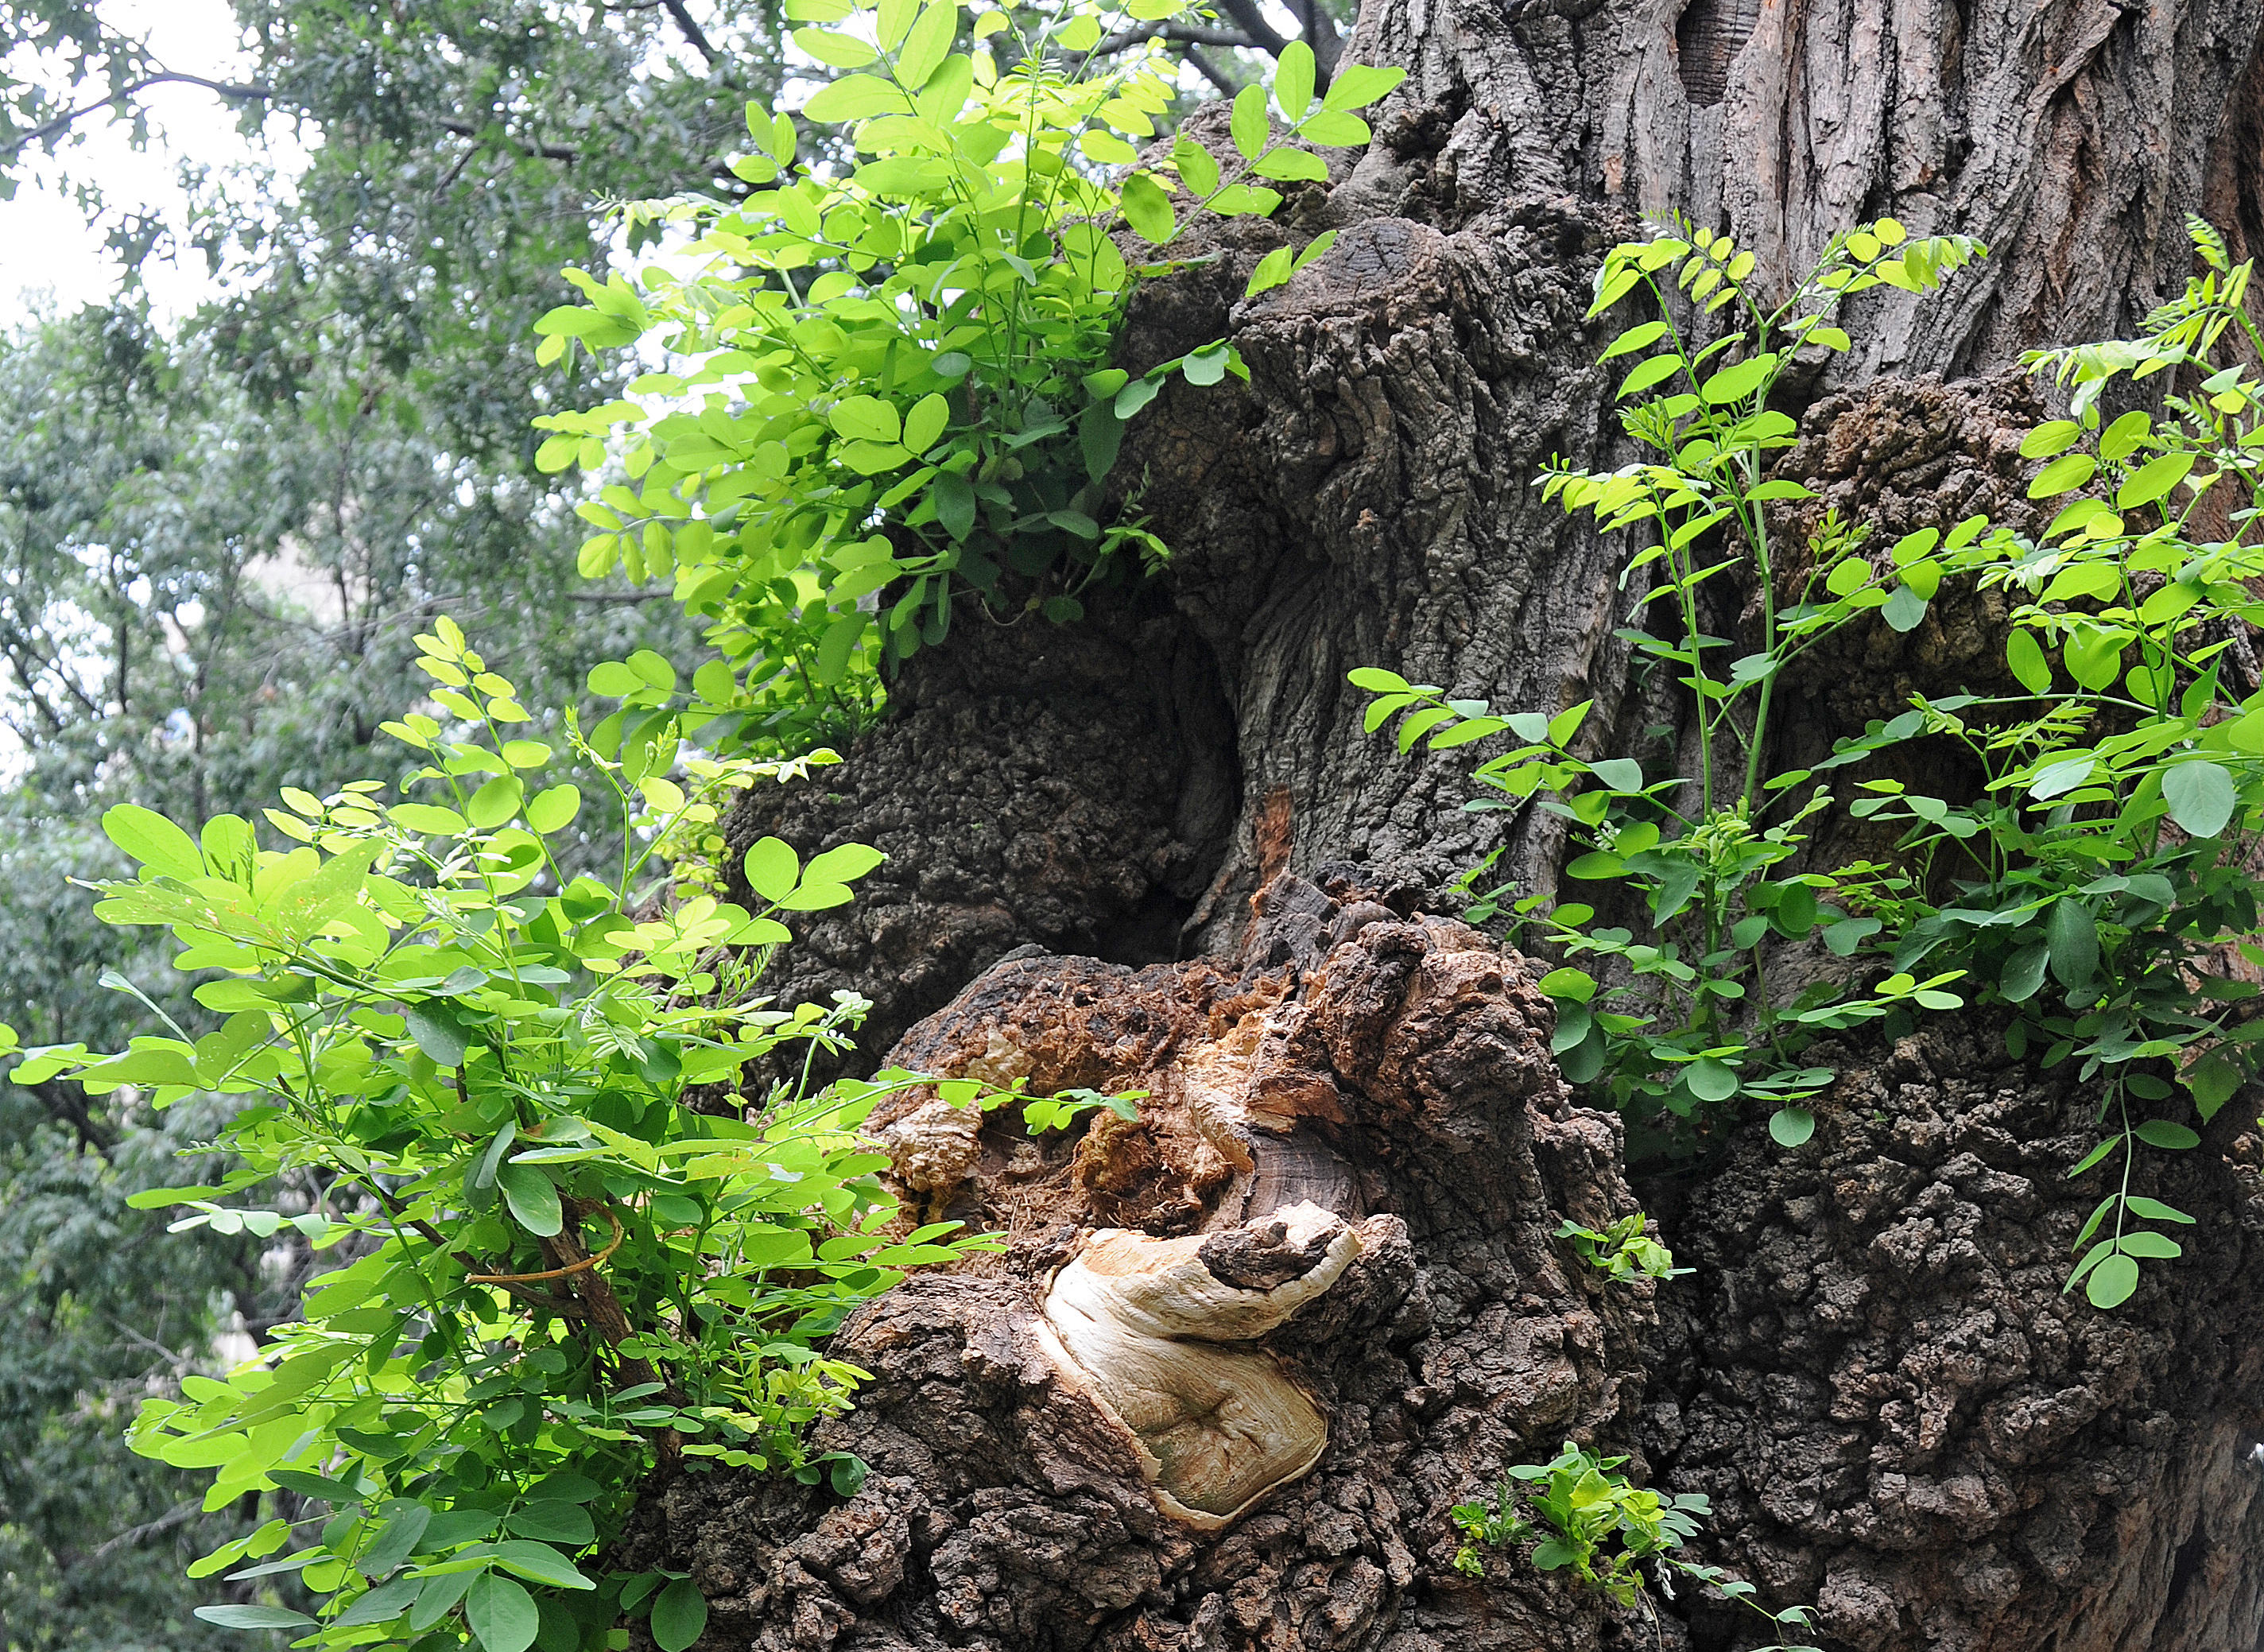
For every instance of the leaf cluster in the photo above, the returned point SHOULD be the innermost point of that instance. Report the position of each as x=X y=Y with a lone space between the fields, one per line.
x=567 y=1245
x=1583 y=1515
x=2101 y=873
x=889 y=394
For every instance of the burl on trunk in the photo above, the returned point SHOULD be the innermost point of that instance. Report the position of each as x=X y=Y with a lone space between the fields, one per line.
x=1245 y=1352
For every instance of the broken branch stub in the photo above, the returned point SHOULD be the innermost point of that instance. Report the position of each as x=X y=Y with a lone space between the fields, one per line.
x=1143 y=1324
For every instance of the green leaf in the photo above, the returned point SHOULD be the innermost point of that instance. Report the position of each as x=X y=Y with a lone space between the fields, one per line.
x=772 y=869
x=1905 y=609
x=927 y=45
x=678 y=1616
x=2154 y=1210
x=2201 y=797
x=2112 y=1281
x=256 y=1618
x=845 y=864
x=839 y=51
x=1293 y=80
x=500 y=1610
x=436 y=1033
x=1357 y=85
x=1842 y=939
x=2024 y=973
x=2143 y=1242
x=925 y=423
x=2048 y=439
x=552 y=1520
x=2023 y=654
x=542 y=1563
x=1641 y=337
x=551 y=810
x=866 y=418
x=154 y=841
x=2064 y=775
x=2063 y=475
x=613 y=678
x=2151 y=480
x=494 y=803
x=382 y=1606
x=1711 y=1080
x=1791 y=1126
x=2071 y=935
x=1621 y=774
x=1735 y=384
x=1272 y=271
x=1333 y=129
x=1566 y=723
x=1148 y=209
x=1377 y=680
x=1207 y=366
x=2213 y=1081
x=1576 y=984
x=1294 y=166
x=1650 y=372
x=840 y=643
x=2172 y=1138
x=1197 y=169
x=955 y=505
x=533 y=1197
x=856 y=97
x=1250 y=125
x=1596 y=865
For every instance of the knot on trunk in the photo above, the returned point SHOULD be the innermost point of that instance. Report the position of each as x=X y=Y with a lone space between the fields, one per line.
x=1146 y=1324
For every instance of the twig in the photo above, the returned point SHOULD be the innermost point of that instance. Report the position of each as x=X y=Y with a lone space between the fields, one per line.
x=544 y=151
x=620 y=1234
x=1184 y=34
x=692 y=31
x=62 y=122
x=1211 y=72
x=178 y=1515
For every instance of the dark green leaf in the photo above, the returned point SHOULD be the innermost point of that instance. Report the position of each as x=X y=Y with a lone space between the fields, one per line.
x=2112 y=1281
x=2160 y=1132
x=502 y=1613
x=2071 y=936
x=1791 y=1126
x=532 y=1199
x=256 y=1618
x=678 y=1616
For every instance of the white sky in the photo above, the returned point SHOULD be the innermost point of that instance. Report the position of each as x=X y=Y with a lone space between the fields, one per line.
x=49 y=254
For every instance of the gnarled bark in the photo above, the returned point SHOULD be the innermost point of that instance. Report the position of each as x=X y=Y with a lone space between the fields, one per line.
x=1239 y=1419
x=1127 y=787
x=1901 y=1416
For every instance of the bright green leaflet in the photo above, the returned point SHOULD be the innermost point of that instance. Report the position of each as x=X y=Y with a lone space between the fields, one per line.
x=888 y=401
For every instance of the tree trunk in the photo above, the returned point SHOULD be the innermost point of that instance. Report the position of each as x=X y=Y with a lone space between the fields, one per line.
x=1873 y=1371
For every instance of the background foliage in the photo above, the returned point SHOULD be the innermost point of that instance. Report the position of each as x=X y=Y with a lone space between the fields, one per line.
x=218 y=536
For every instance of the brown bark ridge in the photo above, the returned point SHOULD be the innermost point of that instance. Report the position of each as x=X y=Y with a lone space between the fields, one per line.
x=1353 y=1159
x=1901 y=1417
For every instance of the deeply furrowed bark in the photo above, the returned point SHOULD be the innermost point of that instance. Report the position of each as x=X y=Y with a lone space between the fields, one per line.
x=1324 y=1253
x=1873 y=1371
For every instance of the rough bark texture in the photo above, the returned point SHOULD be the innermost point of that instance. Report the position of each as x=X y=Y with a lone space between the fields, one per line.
x=1900 y=1416
x=1396 y=1069
x=1873 y=1370
x=1367 y=498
